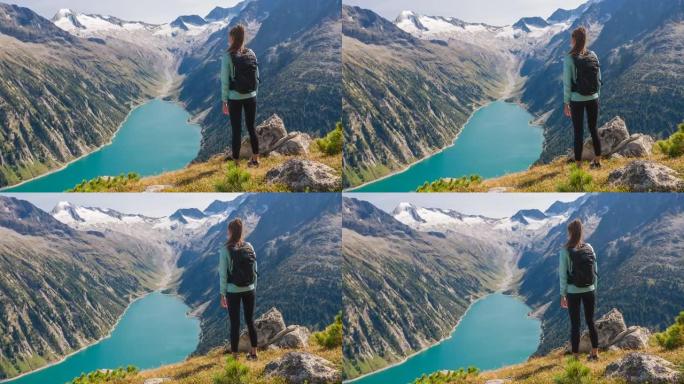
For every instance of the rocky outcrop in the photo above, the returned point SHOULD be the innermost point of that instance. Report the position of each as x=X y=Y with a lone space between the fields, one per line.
x=615 y=139
x=272 y=332
x=613 y=333
x=274 y=139
x=639 y=368
x=300 y=367
x=304 y=176
x=646 y=176
x=158 y=380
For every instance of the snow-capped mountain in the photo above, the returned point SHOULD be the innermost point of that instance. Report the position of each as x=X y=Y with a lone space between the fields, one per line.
x=74 y=215
x=527 y=32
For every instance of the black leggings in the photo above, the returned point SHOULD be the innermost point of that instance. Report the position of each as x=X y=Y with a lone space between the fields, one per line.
x=577 y=108
x=588 y=300
x=236 y=107
x=248 y=299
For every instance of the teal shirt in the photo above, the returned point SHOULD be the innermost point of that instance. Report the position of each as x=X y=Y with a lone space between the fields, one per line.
x=227 y=73
x=564 y=267
x=224 y=266
x=569 y=77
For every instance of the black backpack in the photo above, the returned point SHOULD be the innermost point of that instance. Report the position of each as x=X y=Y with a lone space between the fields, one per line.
x=587 y=80
x=582 y=271
x=245 y=65
x=242 y=260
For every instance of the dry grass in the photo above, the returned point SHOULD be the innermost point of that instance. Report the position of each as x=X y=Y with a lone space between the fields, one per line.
x=203 y=177
x=546 y=178
x=542 y=370
x=201 y=370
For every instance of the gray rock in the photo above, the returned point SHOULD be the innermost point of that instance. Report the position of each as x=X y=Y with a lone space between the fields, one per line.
x=297 y=146
x=157 y=188
x=646 y=176
x=157 y=380
x=496 y=381
x=642 y=368
x=269 y=133
x=611 y=135
x=305 y=176
x=638 y=146
x=609 y=326
x=633 y=338
x=297 y=338
x=300 y=367
x=269 y=326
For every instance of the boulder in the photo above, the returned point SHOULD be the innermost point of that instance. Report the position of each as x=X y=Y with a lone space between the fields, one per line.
x=646 y=176
x=304 y=176
x=157 y=380
x=642 y=368
x=297 y=146
x=269 y=133
x=633 y=338
x=609 y=327
x=297 y=338
x=268 y=326
x=610 y=134
x=300 y=367
x=638 y=146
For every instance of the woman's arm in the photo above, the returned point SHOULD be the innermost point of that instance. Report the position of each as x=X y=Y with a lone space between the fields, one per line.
x=600 y=84
x=567 y=78
x=563 y=272
x=223 y=271
x=225 y=77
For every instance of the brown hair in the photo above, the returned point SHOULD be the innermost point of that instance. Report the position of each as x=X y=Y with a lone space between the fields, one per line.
x=580 y=46
x=238 y=35
x=574 y=234
x=235 y=228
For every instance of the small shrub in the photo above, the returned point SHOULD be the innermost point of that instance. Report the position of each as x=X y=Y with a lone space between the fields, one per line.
x=105 y=376
x=674 y=145
x=450 y=377
x=451 y=185
x=233 y=373
x=673 y=336
x=333 y=142
x=575 y=373
x=106 y=183
x=578 y=181
x=235 y=179
x=331 y=336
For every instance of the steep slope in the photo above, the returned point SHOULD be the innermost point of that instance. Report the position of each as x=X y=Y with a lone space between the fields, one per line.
x=405 y=98
x=298 y=44
x=638 y=240
x=63 y=96
x=639 y=45
x=296 y=238
x=60 y=288
x=403 y=289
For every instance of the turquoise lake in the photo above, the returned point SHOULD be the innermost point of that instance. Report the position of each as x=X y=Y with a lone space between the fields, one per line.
x=495 y=332
x=154 y=331
x=497 y=140
x=155 y=138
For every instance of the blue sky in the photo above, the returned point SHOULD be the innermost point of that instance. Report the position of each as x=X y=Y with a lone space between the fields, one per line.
x=494 y=12
x=151 y=11
x=148 y=204
x=493 y=205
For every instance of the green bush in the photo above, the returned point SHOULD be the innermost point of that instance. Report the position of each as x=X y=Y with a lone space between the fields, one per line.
x=233 y=373
x=450 y=377
x=106 y=183
x=575 y=373
x=235 y=179
x=673 y=336
x=333 y=142
x=578 y=181
x=673 y=146
x=451 y=185
x=331 y=336
x=105 y=376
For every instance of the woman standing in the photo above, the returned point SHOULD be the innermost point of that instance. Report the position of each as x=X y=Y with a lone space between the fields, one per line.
x=578 y=273
x=239 y=86
x=238 y=278
x=582 y=88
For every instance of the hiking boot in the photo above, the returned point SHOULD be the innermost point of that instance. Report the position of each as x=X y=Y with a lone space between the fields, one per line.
x=252 y=357
x=593 y=358
x=253 y=163
x=595 y=165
